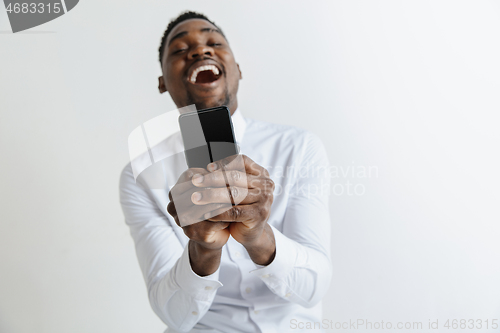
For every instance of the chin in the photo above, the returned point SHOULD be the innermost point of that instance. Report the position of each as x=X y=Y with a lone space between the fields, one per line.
x=207 y=104
x=210 y=102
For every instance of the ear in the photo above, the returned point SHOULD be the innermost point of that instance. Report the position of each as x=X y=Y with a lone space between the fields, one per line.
x=161 y=85
x=239 y=70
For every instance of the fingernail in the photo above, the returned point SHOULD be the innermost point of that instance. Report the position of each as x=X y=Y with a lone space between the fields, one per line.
x=196 y=196
x=198 y=179
x=212 y=167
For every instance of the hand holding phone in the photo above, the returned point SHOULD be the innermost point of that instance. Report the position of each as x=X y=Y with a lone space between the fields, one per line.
x=208 y=137
x=225 y=192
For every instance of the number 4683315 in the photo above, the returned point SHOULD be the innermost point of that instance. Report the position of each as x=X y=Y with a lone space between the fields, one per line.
x=471 y=324
x=34 y=8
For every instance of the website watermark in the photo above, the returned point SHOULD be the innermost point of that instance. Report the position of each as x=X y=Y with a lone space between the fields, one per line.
x=366 y=324
x=26 y=14
x=336 y=180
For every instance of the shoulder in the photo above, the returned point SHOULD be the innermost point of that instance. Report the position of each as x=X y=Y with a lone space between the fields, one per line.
x=285 y=134
x=126 y=175
x=254 y=124
x=127 y=182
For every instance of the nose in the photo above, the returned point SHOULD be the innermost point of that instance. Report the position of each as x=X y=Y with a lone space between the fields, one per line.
x=200 y=51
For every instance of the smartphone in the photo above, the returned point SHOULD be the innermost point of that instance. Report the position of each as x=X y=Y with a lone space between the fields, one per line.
x=208 y=136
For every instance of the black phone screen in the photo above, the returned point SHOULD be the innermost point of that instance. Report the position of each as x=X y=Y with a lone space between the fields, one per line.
x=208 y=136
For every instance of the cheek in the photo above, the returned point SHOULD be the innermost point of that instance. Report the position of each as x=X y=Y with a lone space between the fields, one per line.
x=235 y=79
x=235 y=73
x=174 y=75
x=228 y=59
x=174 y=69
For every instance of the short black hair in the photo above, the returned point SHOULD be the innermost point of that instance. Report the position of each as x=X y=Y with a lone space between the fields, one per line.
x=182 y=17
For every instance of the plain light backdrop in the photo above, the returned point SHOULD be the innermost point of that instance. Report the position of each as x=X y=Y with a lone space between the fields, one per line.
x=409 y=88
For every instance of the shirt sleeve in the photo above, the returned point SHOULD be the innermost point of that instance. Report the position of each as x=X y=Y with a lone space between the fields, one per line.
x=301 y=270
x=177 y=295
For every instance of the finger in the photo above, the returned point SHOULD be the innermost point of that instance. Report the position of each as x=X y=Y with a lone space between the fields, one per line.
x=172 y=211
x=184 y=182
x=241 y=163
x=221 y=178
x=196 y=214
x=233 y=178
x=234 y=162
x=217 y=226
x=223 y=195
x=211 y=216
x=265 y=184
x=238 y=213
x=183 y=201
x=204 y=227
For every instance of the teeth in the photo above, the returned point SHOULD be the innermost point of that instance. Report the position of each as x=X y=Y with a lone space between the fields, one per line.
x=212 y=68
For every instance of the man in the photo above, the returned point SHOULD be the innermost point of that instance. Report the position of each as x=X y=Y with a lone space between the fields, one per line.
x=260 y=266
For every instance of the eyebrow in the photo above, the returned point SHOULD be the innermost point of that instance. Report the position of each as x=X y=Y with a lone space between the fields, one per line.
x=184 y=33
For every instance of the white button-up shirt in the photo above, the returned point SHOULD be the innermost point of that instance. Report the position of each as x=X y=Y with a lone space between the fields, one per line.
x=240 y=296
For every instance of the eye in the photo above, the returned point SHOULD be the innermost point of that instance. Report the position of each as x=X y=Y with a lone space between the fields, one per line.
x=215 y=44
x=178 y=51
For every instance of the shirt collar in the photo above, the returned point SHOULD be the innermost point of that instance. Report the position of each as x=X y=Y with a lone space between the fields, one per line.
x=239 y=125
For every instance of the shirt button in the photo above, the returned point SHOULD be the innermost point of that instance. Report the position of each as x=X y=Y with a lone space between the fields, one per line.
x=256 y=311
x=208 y=288
x=265 y=275
x=194 y=313
x=237 y=254
x=288 y=295
x=248 y=290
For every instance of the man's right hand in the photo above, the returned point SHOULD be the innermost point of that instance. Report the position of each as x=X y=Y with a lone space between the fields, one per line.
x=206 y=238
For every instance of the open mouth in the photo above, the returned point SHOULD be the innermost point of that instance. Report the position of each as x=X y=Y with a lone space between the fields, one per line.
x=205 y=74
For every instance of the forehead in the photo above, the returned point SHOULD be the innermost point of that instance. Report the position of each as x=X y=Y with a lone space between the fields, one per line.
x=189 y=26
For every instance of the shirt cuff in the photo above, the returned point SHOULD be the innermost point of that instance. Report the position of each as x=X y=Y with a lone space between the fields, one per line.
x=201 y=288
x=288 y=254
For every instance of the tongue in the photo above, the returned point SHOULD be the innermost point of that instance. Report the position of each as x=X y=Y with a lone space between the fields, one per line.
x=206 y=77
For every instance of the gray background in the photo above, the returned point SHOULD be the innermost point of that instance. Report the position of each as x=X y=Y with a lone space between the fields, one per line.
x=409 y=87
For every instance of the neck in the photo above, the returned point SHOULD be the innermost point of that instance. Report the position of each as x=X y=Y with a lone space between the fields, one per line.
x=233 y=106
